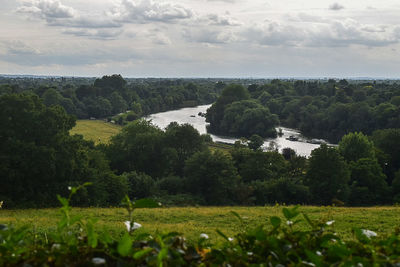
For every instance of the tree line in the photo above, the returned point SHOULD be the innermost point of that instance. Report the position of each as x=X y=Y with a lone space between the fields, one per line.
x=116 y=99
x=39 y=159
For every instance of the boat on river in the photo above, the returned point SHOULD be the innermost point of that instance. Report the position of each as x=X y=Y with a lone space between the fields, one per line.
x=292 y=138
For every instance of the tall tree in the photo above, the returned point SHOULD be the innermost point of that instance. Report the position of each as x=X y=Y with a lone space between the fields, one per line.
x=327 y=175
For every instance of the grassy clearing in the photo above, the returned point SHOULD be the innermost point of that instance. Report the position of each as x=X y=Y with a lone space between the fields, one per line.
x=96 y=130
x=191 y=221
x=225 y=148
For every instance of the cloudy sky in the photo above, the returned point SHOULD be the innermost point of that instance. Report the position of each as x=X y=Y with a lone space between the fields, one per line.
x=201 y=38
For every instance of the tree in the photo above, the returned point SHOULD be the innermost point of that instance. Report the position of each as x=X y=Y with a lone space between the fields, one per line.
x=368 y=183
x=118 y=103
x=255 y=142
x=355 y=146
x=258 y=165
x=211 y=176
x=327 y=175
x=247 y=117
x=39 y=159
x=388 y=142
x=229 y=95
x=139 y=147
x=141 y=185
x=186 y=140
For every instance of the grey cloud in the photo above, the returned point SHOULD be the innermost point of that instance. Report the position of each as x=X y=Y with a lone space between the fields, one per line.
x=227 y=1
x=209 y=36
x=333 y=34
x=336 y=6
x=69 y=58
x=104 y=34
x=218 y=20
x=17 y=47
x=274 y=34
x=145 y=11
x=86 y=22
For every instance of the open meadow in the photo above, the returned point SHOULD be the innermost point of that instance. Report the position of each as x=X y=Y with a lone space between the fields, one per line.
x=192 y=221
x=95 y=130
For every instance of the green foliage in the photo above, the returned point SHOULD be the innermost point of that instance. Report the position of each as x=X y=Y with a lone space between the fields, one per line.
x=368 y=183
x=212 y=176
x=255 y=142
x=258 y=165
x=282 y=190
x=355 y=146
x=276 y=242
x=241 y=117
x=140 y=184
x=328 y=175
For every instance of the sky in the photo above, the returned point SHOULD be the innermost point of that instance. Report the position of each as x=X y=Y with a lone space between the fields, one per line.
x=201 y=38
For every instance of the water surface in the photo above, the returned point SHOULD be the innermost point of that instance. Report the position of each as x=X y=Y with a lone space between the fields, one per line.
x=190 y=115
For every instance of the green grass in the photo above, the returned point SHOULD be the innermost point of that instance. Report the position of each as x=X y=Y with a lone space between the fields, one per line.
x=96 y=130
x=225 y=148
x=192 y=221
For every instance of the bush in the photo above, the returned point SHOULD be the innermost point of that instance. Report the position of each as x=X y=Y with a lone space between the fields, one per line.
x=171 y=184
x=140 y=184
x=283 y=190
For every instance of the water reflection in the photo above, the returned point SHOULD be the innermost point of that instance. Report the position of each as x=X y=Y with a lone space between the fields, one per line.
x=190 y=115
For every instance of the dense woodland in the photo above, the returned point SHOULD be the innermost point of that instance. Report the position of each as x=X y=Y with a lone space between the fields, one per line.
x=39 y=158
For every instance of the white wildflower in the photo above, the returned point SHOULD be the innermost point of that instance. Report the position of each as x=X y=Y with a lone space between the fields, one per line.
x=134 y=226
x=203 y=235
x=329 y=222
x=98 y=261
x=55 y=247
x=308 y=263
x=369 y=233
x=69 y=188
x=159 y=204
x=318 y=253
x=289 y=222
x=230 y=239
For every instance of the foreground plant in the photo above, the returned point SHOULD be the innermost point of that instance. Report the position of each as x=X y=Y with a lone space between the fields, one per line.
x=77 y=242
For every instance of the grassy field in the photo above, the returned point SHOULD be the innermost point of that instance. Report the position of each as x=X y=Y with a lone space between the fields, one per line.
x=191 y=221
x=95 y=130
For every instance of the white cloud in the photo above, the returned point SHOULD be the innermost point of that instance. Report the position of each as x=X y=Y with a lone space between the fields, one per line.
x=57 y=14
x=146 y=11
x=334 y=33
x=47 y=9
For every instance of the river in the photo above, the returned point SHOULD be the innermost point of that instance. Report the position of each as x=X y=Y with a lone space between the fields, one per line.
x=190 y=115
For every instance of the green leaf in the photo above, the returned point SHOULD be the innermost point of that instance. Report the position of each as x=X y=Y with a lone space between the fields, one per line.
x=142 y=253
x=237 y=216
x=146 y=203
x=63 y=201
x=275 y=221
x=222 y=234
x=290 y=213
x=125 y=245
x=308 y=220
x=161 y=256
x=314 y=258
x=91 y=234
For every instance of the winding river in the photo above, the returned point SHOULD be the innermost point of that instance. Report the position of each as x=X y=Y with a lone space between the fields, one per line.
x=190 y=115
